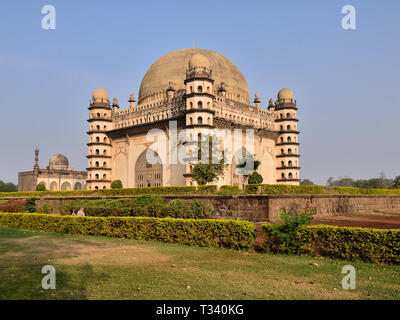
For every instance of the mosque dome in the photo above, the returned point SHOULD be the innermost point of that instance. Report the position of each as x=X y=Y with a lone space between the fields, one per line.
x=173 y=66
x=58 y=161
x=285 y=94
x=100 y=94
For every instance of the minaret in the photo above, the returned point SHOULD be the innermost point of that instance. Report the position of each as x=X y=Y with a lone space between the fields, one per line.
x=36 y=166
x=199 y=99
x=287 y=146
x=99 y=156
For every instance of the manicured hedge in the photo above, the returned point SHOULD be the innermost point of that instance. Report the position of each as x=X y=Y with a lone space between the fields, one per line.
x=203 y=233
x=191 y=190
x=144 y=206
x=229 y=190
x=354 y=244
x=288 y=189
x=180 y=190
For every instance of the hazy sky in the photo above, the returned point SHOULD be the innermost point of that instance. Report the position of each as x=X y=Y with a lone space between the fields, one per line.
x=346 y=82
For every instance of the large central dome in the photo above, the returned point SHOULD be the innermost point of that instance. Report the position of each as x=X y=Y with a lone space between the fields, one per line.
x=173 y=65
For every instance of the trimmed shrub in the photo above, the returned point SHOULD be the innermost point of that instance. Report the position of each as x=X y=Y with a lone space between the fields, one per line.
x=288 y=189
x=201 y=210
x=180 y=190
x=31 y=205
x=189 y=190
x=14 y=206
x=149 y=205
x=353 y=244
x=369 y=245
x=255 y=178
x=178 y=209
x=99 y=208
x=203 y=233
x=41 y=187
x=116 y=184
x=229 y=190
x=284 y=235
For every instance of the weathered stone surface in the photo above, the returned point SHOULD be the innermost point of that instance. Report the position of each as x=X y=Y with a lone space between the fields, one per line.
x=267 y=207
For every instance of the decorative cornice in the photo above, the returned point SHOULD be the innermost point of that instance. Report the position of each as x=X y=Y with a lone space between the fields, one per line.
x=199 y=94
x=98 y=181
x=145 y=127
x=287 y=119
x=288 y=180
x=101 y=106
x=288 y=155
x=193 y=110
x=289 y=131
x=287 y=144
x=92 y=156
x=98 y=144
x=288 y=168
x=98 y=169
x=96 y=131
x=99 y=119
x=200 y=126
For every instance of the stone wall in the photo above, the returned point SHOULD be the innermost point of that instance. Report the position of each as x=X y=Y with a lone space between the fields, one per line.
x=259 y=208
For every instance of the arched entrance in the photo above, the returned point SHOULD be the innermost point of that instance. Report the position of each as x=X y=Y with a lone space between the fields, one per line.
x=66 y=186
x=78 y=186
x=53 y=186
x=148 y=175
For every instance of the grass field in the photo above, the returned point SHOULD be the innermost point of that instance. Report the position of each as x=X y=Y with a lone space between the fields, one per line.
x=106 y=268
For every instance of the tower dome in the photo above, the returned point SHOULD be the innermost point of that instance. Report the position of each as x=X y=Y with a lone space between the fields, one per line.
x=173 y=66
x=59 y=162
x=100 y=94
x=285 y=94
x=199 y=60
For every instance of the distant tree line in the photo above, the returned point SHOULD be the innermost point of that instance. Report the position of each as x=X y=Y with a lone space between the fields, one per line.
x=8 y=187
x=375 y=183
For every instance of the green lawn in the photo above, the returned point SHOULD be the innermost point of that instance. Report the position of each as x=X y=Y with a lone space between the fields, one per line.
x=105 y=268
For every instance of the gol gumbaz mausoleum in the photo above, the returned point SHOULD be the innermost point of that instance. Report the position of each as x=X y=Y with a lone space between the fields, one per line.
x=198 y=90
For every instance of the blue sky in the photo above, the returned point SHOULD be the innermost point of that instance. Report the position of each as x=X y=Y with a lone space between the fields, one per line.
x=346 y=82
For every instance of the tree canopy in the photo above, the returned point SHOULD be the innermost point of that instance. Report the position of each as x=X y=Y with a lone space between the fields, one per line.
x=381 y=182
x=8 y=187
x=306 y=182
x=210 y=170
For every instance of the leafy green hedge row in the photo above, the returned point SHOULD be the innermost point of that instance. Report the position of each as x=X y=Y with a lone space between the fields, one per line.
x=144 y=206
x=180 y=190
x=190 y=190
x=354 y=244
x=203 y=233
x=288 y=189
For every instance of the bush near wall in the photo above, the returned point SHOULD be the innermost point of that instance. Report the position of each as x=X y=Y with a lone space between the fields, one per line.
x=288 y=189
x=144 y=206
x=179 y=190
x=354 y=244
x=14 y=206
x=229 y=190
x=204 y=190
x=203 y=233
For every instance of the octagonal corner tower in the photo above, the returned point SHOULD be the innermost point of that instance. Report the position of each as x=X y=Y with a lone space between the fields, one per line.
x=171 y=68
